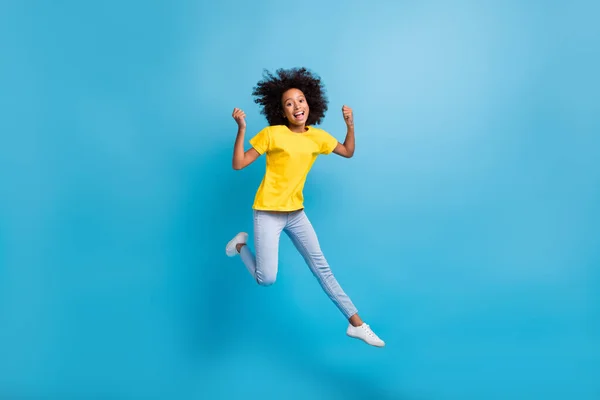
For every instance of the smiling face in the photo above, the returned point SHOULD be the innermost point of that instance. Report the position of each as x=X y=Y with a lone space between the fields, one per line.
x=295 y=108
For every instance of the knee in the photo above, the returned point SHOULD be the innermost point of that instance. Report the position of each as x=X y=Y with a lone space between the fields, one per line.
x=266 y=271
x=266 y=280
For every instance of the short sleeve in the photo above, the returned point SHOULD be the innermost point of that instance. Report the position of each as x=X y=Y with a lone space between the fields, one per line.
x=327 y=142
x=261 y=141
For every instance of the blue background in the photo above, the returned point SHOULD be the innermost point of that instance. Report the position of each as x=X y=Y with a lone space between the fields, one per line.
x=465 y=229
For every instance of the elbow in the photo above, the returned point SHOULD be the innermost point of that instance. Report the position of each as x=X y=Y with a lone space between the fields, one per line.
x=349 y=153
x=236 y=166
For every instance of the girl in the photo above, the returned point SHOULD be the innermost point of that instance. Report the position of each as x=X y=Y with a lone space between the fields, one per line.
x=292 y=101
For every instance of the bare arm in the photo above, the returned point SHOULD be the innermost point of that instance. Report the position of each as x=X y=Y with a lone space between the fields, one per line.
x=346 y=149
x=241 y=159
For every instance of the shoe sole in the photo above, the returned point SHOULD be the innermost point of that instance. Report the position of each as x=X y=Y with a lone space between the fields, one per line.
x=230 y=249
x=361 y=339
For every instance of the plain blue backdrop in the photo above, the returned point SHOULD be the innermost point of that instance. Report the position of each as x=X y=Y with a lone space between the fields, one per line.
x=465 y=229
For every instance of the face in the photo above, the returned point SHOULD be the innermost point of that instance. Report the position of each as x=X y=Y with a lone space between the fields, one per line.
x=295 y=107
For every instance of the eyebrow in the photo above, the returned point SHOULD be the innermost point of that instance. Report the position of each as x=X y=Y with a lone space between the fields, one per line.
x=290 y=98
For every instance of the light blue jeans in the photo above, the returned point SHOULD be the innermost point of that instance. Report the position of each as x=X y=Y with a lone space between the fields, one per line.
x=263 y=267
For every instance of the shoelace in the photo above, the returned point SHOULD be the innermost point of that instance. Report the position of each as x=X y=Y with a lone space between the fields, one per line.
x=367 y=329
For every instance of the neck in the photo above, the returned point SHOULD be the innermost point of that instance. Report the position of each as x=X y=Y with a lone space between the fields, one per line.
x=297 y=128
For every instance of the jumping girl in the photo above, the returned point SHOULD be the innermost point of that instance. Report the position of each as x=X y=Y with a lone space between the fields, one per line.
x=293 y=101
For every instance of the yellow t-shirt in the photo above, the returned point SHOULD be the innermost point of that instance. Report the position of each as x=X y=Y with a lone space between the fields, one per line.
x=290 y=156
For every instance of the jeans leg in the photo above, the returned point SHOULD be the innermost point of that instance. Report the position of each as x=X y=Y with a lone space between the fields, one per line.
x=303 y=235
x=267 y=232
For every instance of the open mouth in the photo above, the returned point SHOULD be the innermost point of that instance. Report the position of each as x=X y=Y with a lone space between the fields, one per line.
x=299 y=115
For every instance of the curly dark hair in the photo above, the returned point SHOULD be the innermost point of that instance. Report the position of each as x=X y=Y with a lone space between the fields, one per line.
x=269 y=90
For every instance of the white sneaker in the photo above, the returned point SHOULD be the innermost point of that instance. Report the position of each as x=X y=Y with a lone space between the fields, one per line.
x=231 y=248
x=365 y=334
